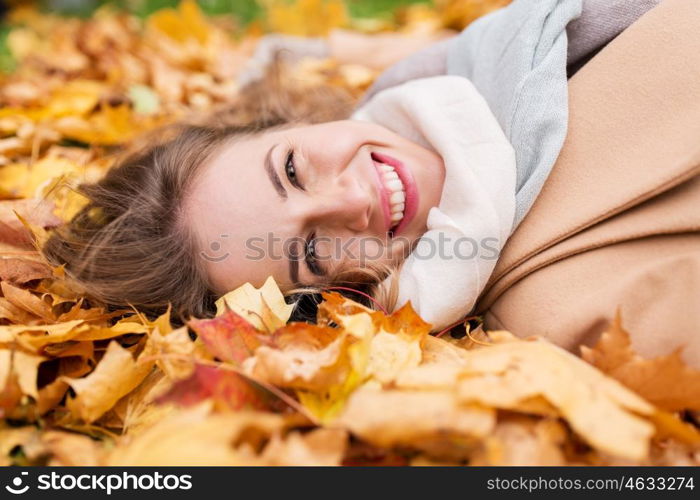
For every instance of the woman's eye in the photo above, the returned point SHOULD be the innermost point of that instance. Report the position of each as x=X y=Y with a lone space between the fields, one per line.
x=290 y=170
x=311 y=261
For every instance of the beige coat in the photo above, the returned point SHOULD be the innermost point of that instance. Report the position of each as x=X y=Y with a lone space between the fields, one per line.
x=617 y=224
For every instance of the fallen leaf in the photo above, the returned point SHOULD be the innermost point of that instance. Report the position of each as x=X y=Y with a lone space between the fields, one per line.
x=229 y=337
x=71 y=449
x=305 y=17
x=320 y=447
x=520 y=441
x=26 y=366
x=36 y=212
x=667 y=381
x=34 y=337
x=263 y=307
x=224 y=387
x=194 y=436
x=12 y=437
x=115 y=375
x=21 y=271
x=175 y=352
x=415 y=418
x=26 y=300
x=602 y=411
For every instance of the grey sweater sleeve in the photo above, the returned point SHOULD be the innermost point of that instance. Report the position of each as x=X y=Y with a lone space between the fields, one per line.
x=600 y=22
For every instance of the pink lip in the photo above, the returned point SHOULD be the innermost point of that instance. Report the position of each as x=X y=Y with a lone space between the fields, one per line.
x=411 y=191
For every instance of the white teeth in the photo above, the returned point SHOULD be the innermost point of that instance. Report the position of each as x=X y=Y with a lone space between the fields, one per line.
x=391 y=176
x=397 y=193
x=394 y=185
x=397 y=197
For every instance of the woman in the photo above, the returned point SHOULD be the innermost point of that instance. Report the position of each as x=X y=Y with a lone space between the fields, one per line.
x=143 y=239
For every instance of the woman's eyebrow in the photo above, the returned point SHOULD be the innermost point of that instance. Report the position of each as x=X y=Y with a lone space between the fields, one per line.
x=274 y=178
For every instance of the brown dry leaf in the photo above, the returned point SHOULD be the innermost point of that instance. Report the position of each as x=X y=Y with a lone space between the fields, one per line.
x=14 y=314
x=35 y=212
x=396 y=347
x=138 y=409
x=11 y=437
x=26 y=300
x=524 y=441
x=71 y=449
x=314 y=357
x=602 y=411
x=323 y=364
x=194 y=436
x=115 y=375
x=5 y=366
x=262 y=307
x=122 y=327
x=174 y=352
x=21 y=271
x=320 y=447
x=301 y=366
x=50 y=395
x=671 y=453
x=666 y=381
x=26 y=367
x=34 y=337
x=419 y=419
x=11 y=394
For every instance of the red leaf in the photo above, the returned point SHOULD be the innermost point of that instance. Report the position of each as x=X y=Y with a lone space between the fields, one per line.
x=229 y=337
x=36 y=212
x=21 y=271
x=229 y=388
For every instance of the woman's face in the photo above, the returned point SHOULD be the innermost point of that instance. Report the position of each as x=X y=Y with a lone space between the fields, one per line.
x=306 y=202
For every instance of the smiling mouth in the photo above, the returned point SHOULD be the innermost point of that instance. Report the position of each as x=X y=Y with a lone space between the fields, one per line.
x=395 y=189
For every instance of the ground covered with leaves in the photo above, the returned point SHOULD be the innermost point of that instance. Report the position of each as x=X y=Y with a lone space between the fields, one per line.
x=85 y=385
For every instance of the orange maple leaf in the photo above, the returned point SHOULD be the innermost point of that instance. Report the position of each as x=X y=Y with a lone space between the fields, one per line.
x=666 y=381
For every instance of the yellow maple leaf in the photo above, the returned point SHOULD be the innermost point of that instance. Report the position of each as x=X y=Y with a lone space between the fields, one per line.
x=264 y=307
x=305 y=17
x=26 y=367
x=195 y=436
x=413 y=418
x=110 y=125
x=181 y=24
x=117 y=374
x=77 y=97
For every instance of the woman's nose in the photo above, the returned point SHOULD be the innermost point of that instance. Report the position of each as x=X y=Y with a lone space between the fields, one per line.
x=346 y=205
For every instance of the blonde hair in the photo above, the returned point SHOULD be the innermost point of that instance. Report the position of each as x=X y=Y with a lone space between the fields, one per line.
x=128 y=247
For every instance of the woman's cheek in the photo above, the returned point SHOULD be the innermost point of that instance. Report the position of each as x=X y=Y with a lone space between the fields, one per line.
x=367 y=251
